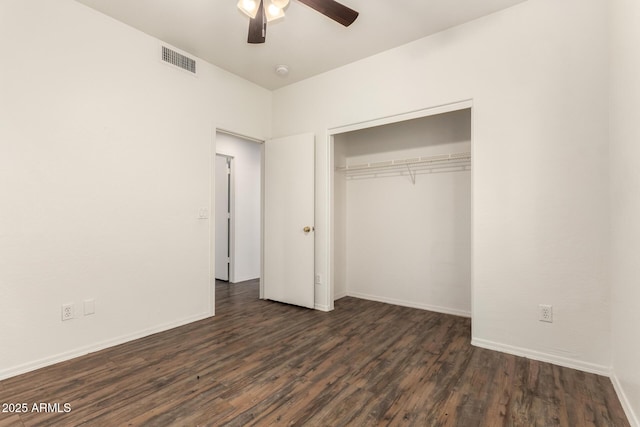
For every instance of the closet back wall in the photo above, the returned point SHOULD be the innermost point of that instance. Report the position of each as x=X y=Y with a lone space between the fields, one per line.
x=406 y=243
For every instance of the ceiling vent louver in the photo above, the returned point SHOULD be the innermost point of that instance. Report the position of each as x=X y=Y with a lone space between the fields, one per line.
x=179 y=60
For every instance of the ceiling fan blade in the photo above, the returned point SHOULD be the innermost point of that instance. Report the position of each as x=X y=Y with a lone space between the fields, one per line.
x=334 y=10
x=258 y=26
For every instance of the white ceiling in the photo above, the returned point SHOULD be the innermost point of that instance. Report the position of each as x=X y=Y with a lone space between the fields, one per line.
x=306 y=41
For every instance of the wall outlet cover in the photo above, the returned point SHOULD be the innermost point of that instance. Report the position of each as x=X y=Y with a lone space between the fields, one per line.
x=67 y=312
x=545 y=313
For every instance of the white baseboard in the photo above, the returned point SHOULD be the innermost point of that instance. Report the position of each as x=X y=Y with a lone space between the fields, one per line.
x=626 y=405
x=81 y=351
x=543 y=357
x=411 y=304
x=322 y=307
x=568 y=363
x=243 y=279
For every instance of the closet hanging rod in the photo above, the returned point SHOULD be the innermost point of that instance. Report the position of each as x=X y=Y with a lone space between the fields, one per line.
x=445 y=160
x=453 y=167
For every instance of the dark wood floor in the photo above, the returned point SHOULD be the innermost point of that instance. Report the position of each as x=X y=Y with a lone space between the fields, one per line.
x=264 y=363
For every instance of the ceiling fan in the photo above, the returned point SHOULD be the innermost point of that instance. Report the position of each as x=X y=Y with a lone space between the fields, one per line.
x=263 y=11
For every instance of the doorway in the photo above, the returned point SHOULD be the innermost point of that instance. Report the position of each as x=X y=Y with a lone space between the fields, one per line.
x=270 y=234
x=238 y=207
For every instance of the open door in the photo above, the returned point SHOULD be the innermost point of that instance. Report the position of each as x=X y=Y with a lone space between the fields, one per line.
x=223 y=217
x=289 y=199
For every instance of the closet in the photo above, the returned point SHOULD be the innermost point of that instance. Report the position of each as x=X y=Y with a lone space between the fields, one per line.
x=402 y=213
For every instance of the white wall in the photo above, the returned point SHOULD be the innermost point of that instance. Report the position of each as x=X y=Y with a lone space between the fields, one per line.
x=247 y=188
x=537 y=74
x=406 y=243
x=625 y=202
x=105 y=156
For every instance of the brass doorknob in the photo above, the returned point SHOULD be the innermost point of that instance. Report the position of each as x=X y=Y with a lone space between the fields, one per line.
x=306 y=229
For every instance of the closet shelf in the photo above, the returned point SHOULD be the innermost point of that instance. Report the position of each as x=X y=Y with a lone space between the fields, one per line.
x=412 y=166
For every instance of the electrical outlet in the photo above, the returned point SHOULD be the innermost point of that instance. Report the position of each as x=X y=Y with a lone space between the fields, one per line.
x=545 y=313
x=67 y=312
x=318 y=279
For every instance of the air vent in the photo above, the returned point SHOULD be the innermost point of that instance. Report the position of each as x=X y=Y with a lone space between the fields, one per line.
x=179 y=60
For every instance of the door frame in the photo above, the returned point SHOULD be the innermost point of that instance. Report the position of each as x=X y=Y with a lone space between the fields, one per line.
x=416 y=114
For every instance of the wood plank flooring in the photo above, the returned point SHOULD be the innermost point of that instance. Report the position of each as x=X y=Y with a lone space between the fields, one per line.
x=264 y=363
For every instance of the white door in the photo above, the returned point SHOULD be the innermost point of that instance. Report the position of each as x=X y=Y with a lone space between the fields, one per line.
x=289 y=184
x=223 y=217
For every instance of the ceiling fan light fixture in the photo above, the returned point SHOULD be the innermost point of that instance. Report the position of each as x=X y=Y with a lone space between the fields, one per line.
x=248 y=7
x=269 y=10
x=272 y=11
x=281 y=4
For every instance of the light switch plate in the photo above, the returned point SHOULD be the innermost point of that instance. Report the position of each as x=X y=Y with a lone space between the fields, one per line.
x=89 y=307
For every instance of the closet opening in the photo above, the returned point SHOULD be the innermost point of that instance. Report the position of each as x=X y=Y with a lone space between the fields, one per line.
x=401 y=210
